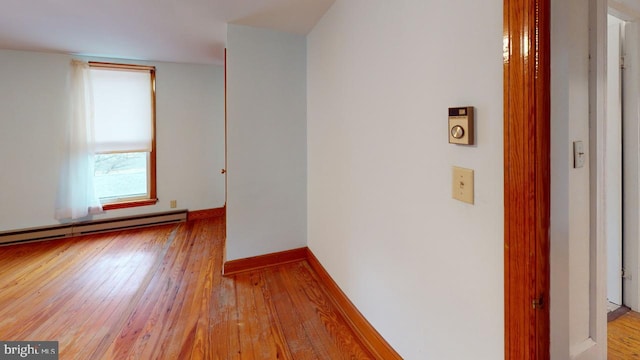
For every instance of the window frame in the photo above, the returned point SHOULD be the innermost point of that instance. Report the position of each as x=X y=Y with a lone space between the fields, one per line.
x=151 y=180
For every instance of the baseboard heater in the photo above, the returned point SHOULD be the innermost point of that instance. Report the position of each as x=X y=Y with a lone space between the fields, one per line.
x=91 y=227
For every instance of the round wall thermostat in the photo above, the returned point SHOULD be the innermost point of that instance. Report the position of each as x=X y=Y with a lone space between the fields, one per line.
x=457 y=132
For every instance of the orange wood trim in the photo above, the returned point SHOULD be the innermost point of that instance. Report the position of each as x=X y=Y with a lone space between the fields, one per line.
x=374 y=342
x=152 y=154
x=109 y=65
x=206 y=213
x=226 y=165
x=526 y=177
x=234 y=267
x=129 y=204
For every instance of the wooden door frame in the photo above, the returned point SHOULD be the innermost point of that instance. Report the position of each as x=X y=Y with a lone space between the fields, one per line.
x=526 y=177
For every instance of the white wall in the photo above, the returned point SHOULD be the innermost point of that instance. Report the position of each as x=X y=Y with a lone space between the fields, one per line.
x=266 y=134
x=578 y=247
x=34 y=103
x=424 y=269
x=631 y=166
x=569 y=121
x=628 y=10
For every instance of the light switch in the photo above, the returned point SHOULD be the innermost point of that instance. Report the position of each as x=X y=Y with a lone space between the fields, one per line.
x=462 y=185
x=578 y=154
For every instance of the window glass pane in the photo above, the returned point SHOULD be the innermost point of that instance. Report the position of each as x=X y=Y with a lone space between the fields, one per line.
x=121 y=175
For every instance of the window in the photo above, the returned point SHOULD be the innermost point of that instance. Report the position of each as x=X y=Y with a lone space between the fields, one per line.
x=124 y=126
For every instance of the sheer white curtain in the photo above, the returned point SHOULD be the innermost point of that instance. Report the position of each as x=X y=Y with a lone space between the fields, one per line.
x=76 y=194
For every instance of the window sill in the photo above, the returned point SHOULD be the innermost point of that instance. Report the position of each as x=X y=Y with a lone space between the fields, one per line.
x=129 y=204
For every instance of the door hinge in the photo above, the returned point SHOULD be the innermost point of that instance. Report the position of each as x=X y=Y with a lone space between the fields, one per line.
x=538 y=303
x=623 y=274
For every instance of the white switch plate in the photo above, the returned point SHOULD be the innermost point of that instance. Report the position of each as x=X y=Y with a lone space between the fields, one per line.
x=462 y=184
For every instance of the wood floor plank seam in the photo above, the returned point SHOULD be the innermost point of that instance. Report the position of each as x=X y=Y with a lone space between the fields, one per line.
x=108 y=339
x=276 y=332
x=275 y=319
x=49 y=288
x=124 y=261
x=312 y=330
x=235 y=291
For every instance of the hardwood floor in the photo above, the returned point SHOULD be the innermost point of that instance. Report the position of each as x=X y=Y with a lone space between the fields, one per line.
x=158 y=293
x=624 y=337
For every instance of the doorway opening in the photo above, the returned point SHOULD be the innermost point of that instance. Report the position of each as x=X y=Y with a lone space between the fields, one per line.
x=613 y=168
x=622 y=160
x=622 y=178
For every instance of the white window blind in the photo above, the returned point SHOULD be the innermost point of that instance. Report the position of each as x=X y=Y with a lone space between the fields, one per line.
x=123 y=110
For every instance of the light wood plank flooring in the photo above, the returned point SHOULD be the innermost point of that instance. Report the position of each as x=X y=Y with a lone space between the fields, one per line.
x=158 y=293
x=624 y=337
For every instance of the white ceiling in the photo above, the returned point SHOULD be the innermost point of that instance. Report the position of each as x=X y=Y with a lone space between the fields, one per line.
x=191 y=31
